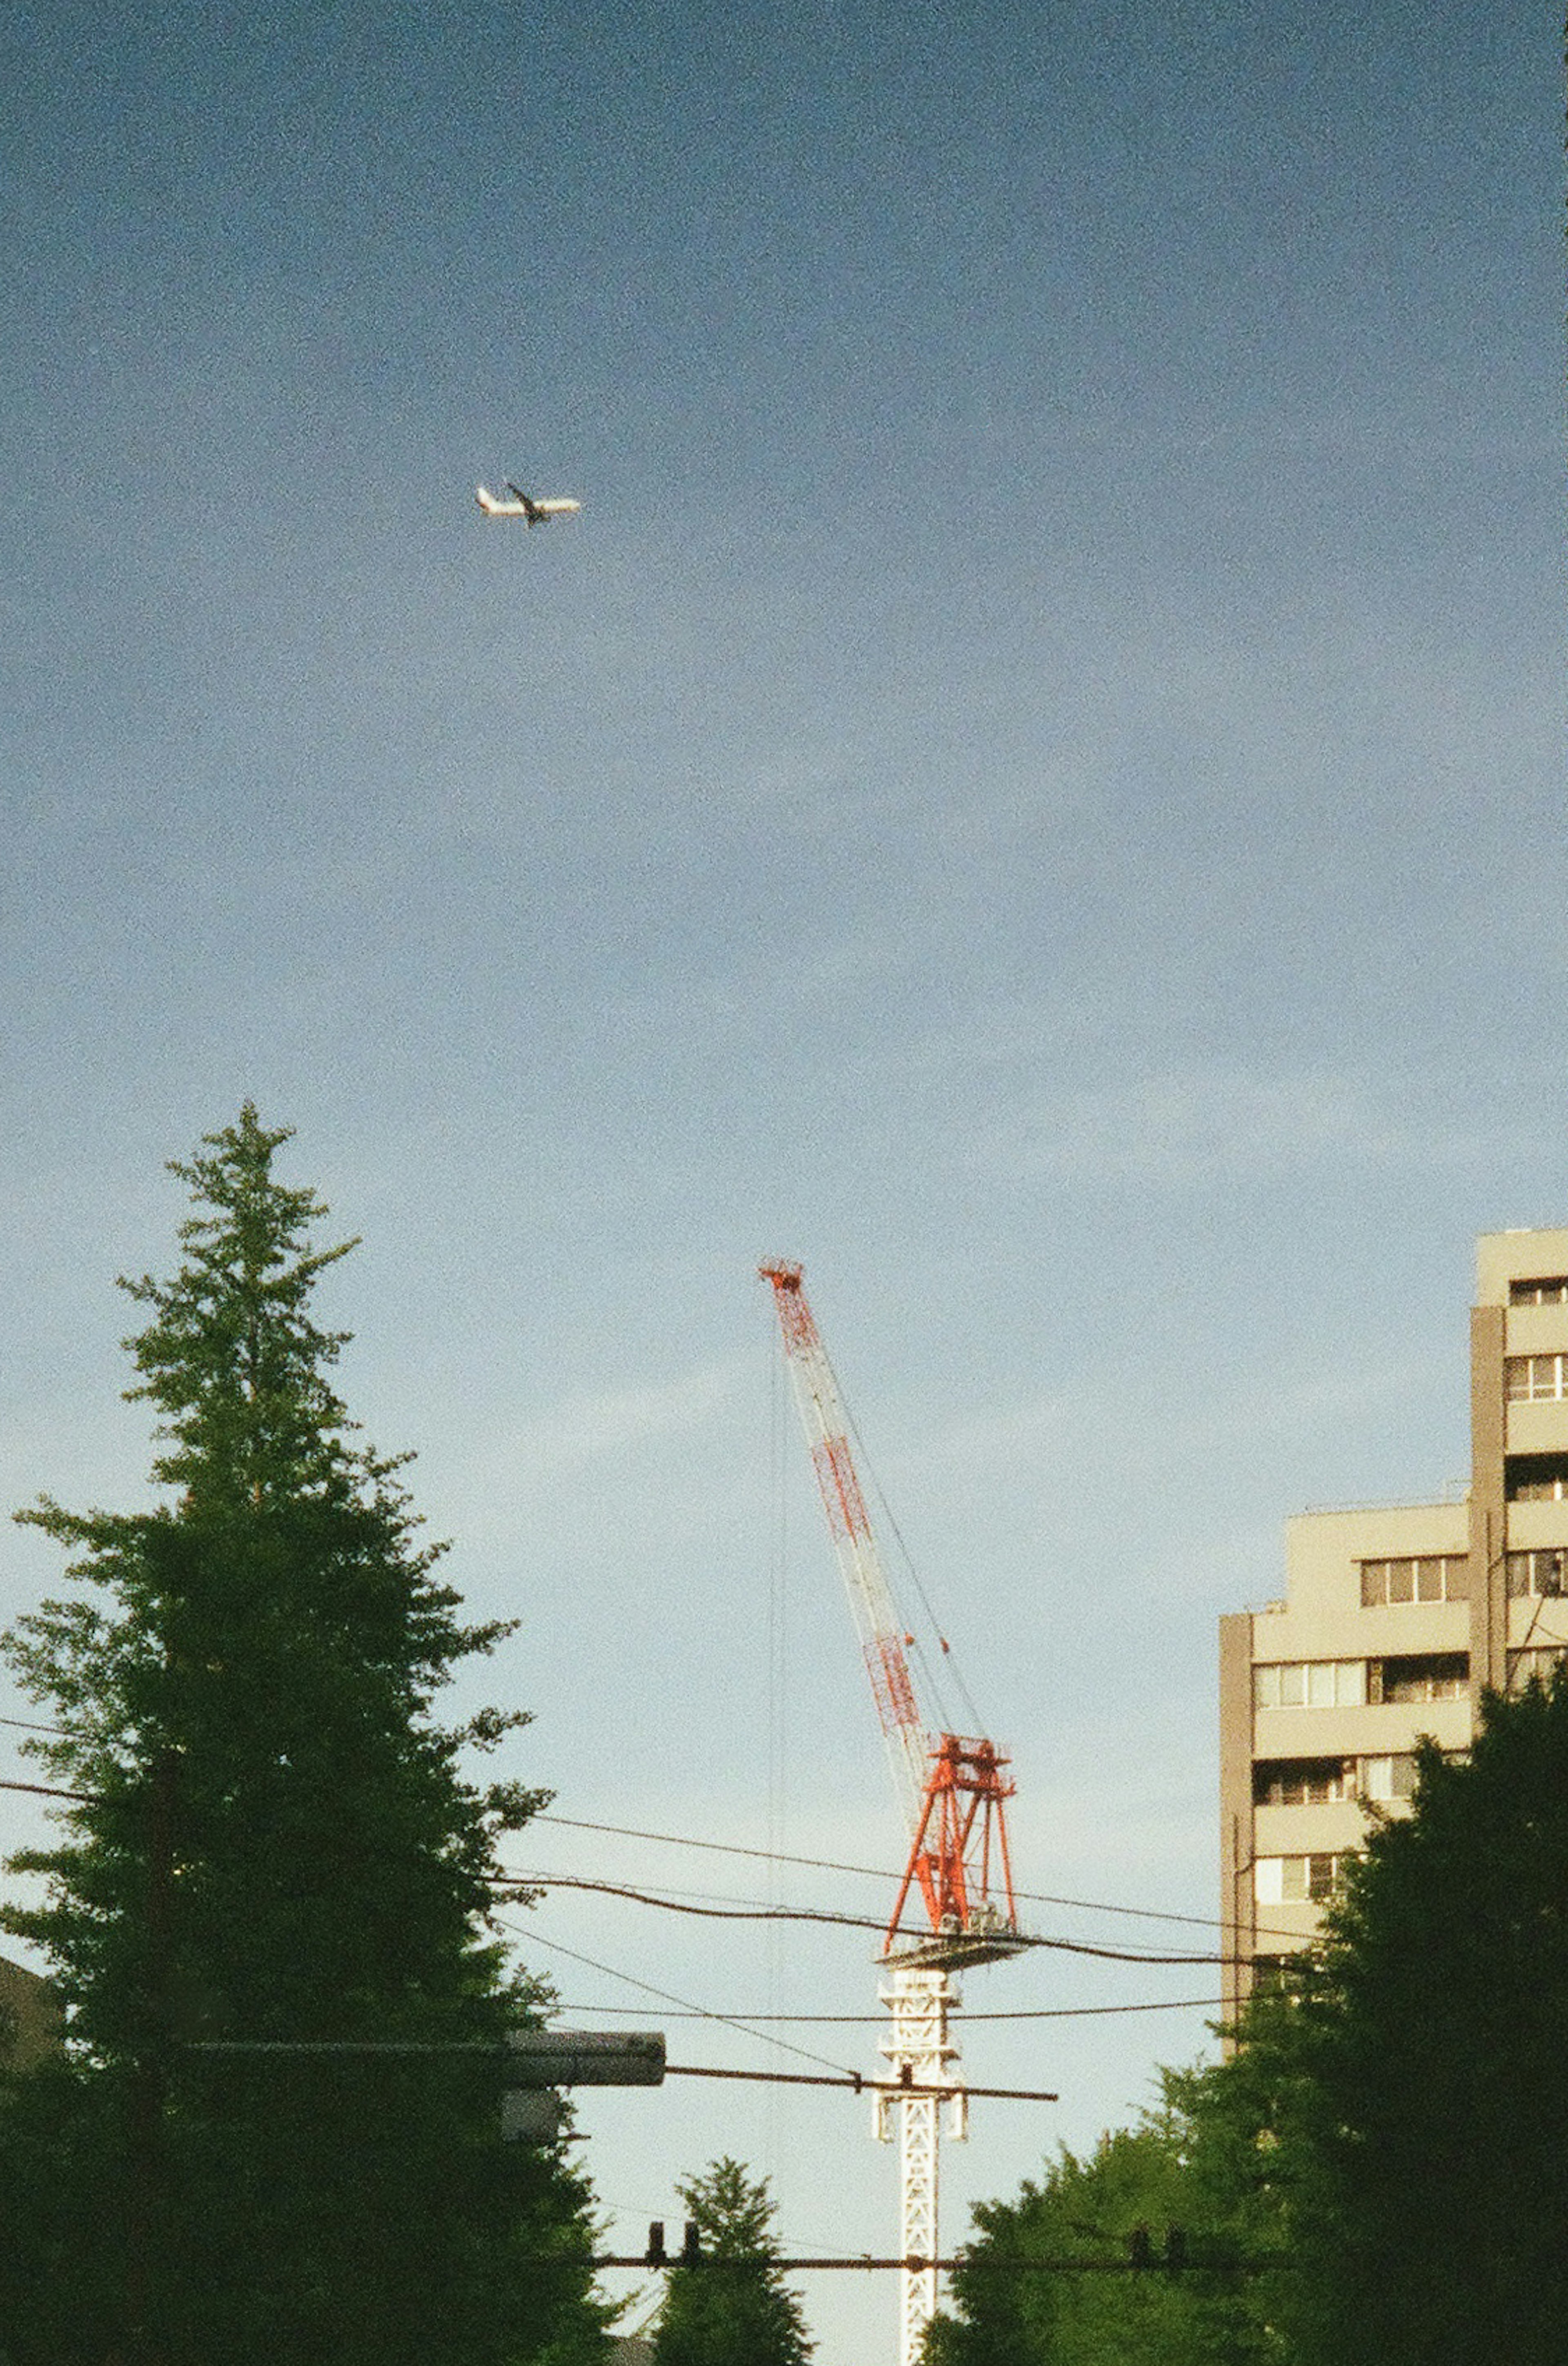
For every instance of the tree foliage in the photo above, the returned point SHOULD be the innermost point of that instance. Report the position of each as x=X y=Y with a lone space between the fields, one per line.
x=1125 y=2256
x=1376 y=2176
x=734 y=2308
x=1414 y=2086
x=272 y=1841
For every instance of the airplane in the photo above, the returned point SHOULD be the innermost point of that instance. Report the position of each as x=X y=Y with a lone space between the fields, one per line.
x=523 y=505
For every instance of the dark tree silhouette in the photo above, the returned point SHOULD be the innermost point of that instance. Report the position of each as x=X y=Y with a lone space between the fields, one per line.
x=273 y=1843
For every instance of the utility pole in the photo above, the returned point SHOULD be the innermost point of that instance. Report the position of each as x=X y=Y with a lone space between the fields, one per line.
x=148 y=2205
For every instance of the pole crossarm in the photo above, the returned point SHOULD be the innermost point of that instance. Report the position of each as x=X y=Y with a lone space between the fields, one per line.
x=915 y=2264
x=578 y=2061
x=533 y=2057
x=858 y=2085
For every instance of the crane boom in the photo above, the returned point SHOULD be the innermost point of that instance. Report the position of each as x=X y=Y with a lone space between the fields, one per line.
x=951 y=1787
x=866 y=1581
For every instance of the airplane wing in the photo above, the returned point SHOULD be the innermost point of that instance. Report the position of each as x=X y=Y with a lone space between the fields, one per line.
x=523 y=505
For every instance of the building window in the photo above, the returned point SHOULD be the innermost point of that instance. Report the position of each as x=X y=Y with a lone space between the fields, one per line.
x=1545 y=1572
x=1553 y=1291
x=1432 y=1676
x=1323 y=1782
x=1392 y=1777
x=1310 y=1684
x=1535 y=1478
x=1526 y=1668
x=1426 y=1577
x=1302 y=1782
x=1535 y=1380
x=1297 y=1880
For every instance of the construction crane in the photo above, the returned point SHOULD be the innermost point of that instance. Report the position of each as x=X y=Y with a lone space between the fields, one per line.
x=952 y=1788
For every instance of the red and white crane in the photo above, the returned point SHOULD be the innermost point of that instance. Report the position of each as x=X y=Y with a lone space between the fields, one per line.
x=952 y=1788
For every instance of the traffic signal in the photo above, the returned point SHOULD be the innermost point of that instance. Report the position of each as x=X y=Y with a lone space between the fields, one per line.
x=532 y=2116
x=544 y=2059
x=588 y=2058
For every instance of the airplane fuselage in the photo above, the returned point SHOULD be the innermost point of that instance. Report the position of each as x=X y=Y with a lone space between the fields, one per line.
x=524 y=506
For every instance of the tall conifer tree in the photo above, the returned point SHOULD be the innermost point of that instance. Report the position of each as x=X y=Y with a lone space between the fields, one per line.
x=734 y=2308
x=273 y=1843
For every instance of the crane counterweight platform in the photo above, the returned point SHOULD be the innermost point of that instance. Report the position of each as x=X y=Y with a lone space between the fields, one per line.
x=952 y=1788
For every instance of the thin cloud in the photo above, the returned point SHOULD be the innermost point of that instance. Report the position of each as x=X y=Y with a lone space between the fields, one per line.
x=589 y=1429
x=1189 y=1127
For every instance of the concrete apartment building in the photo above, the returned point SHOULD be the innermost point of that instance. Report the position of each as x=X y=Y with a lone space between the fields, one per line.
x=1395 y=1621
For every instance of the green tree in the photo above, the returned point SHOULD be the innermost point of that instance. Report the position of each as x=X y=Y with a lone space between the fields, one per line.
x=1077 y=2299
x=733 y=2309
x=1411 y=2093
x=272 y=1841
x=1383 y=2161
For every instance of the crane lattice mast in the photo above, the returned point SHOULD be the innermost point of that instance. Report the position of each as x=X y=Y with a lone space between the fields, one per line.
x=951 y=1787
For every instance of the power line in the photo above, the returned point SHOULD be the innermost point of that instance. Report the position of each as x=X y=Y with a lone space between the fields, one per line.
x=768 y=1913
x=880 y=1872
x=734 y=1848
x=861 y=2084
x=878 y=2021
x=779 y=1856
x=1261 y=2264
x=953 y=1667
x=381 y=2048
x=676 y=1904
x=730 y=2020
x=871 y=1872
x=1023 y=1940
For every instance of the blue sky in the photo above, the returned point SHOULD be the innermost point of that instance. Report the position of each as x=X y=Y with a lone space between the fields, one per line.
x=1034 y=786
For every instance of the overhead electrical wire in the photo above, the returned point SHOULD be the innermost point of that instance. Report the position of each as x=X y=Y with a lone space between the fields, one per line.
x=736 y=1848
x=1025 y=1940
x=731 y=1848
x=936 y=1674
x=861 y=2085
x=871 y=1872
x=877 y=2020
x=675 y=1903
x=801 y=1913
x=840 y=2075
x=781 y=1856
x=877 y=1873
x=534 y=1881
x=949 y=1665
x=666 y=1996
x=880 y=1872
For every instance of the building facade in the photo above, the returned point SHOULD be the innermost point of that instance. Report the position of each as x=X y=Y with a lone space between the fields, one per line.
x=1395 y=1621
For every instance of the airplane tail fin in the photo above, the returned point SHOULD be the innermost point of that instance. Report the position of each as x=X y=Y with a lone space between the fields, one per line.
x=486 y=501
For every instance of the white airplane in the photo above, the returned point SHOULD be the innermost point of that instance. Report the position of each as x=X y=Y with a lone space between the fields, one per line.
x=523 y=505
